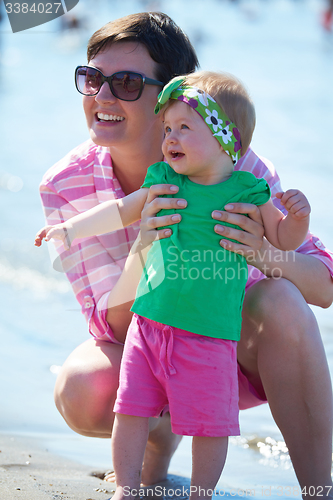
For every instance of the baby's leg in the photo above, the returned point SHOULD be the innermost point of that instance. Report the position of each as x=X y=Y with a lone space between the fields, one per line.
x=129 y=439
x=208 y=459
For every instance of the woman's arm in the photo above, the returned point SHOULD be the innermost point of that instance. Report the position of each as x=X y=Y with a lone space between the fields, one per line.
x=104 y=218
x=309 y=274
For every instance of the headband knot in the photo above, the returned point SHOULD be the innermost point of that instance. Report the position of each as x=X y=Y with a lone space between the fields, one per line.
x=218 y=122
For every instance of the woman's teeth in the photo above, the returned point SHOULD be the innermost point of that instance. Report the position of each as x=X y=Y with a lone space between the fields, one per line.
x=110 y=118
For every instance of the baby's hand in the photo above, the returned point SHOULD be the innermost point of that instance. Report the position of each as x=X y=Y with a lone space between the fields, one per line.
x=296 y=203
x=58 y=232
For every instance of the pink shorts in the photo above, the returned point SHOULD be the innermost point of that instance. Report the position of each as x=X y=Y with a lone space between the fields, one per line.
x=193 y=374
x=100 y=329
x=248 y=396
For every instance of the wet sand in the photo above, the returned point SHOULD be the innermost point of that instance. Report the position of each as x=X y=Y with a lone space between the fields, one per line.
x=28 y=471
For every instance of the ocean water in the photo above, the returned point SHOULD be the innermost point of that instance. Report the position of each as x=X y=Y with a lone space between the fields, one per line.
x=279 y=49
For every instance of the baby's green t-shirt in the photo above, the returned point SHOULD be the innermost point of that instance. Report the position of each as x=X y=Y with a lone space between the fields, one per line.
x=190 y=281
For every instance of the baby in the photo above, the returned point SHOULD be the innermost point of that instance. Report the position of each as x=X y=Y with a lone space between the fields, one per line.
x=180 y=349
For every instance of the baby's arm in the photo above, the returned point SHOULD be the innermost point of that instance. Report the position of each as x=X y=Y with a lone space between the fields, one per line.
x=104 y=218
x=287 y=232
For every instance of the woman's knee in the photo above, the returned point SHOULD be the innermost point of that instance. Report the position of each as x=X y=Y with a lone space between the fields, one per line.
x=86 y=388
x=278 y=304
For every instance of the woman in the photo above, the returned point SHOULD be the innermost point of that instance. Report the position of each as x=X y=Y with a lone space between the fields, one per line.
x=281 y=356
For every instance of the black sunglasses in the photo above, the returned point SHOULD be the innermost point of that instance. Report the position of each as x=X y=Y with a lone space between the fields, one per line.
x=125 y=85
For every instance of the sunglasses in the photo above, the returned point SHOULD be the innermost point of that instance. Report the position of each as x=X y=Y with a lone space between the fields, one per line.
x=125 y=85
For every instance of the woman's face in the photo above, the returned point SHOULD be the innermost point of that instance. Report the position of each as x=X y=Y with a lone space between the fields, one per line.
x=127 y=122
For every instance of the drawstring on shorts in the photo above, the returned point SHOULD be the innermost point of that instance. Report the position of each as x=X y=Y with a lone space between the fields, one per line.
x=166 y=351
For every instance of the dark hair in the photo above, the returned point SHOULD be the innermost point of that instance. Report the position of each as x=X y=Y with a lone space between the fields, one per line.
x=166 y=43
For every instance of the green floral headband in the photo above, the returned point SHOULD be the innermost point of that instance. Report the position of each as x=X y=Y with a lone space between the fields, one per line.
x=219 y=124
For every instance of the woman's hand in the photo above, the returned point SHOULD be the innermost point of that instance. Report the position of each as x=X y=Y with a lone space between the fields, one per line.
x=149 y=221
x=250 y=240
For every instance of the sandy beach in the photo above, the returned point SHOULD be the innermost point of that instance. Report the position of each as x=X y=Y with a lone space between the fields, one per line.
x=28 y=471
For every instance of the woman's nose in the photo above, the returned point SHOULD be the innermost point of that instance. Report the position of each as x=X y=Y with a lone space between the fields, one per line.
x=105 y=94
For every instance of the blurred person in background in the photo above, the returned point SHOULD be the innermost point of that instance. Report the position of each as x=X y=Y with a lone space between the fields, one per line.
x=327 y=16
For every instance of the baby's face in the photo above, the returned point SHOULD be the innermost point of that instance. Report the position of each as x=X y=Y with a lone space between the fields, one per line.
x=189 y=146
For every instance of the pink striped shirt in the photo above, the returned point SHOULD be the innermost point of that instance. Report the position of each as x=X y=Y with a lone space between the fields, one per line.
x=83 y=179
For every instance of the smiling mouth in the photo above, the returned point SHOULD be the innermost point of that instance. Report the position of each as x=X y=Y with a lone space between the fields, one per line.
x=176 y=154
x=101 y=117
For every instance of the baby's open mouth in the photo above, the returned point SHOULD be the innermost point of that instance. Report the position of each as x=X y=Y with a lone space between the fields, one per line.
x=176 y=154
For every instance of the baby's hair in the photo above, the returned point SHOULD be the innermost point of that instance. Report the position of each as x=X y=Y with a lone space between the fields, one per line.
x=231 y=96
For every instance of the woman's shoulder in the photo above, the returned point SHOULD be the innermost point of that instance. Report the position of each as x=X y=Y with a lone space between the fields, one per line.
x=80 y=158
